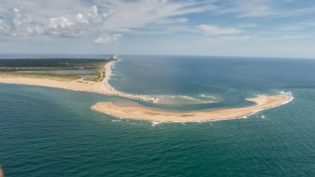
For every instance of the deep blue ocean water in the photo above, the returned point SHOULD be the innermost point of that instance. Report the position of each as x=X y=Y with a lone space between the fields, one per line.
x=52 y=132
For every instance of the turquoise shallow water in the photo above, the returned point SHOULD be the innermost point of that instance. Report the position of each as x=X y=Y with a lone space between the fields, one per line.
x=52 y=132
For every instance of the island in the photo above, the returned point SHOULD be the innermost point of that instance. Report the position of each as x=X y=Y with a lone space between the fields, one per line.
x=262 y=102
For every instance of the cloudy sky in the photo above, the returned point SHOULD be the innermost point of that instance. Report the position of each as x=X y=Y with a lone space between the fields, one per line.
x=282 y=28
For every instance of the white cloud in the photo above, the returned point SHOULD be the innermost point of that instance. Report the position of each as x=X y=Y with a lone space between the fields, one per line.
x=265 y=8
x=60 y=23
x=245 y=8
x=284 y=37
x=247 y=25
x=298 y=26
x=292 y=28
x=256 y=9
x=90 y=18
x=107 y=39
x=128 y=15
x=73 y=18
x=212 y=30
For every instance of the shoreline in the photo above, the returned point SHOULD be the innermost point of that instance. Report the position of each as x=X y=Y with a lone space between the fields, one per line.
x=113 y=91
x=100 y=87
x=262 y=102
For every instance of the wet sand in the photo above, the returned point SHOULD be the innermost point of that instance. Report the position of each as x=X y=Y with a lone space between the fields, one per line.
x=262 y=102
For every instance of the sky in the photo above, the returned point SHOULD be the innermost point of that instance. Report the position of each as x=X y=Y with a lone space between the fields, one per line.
x=262 y=28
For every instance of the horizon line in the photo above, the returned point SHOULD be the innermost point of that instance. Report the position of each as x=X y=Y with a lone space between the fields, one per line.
x=184 y=55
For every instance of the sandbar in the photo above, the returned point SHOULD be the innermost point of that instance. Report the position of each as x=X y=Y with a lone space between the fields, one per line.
x=262 y=102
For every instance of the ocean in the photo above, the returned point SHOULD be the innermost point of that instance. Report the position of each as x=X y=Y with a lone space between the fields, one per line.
x=52 y=132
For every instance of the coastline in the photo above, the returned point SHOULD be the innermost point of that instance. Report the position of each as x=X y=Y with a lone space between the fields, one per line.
x=262 y=102
x=112 y=91
x=100 y=87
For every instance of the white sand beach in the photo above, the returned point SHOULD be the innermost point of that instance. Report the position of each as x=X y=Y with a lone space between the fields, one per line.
x=101 y=87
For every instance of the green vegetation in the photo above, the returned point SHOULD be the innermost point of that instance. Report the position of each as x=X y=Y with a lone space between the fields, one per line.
x=87 y=69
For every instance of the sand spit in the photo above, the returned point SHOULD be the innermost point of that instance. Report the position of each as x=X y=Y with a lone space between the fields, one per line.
x=101 y=87
x=262 y=102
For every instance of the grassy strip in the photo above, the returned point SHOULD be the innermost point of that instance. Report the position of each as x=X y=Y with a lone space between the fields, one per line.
x=98 y=70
